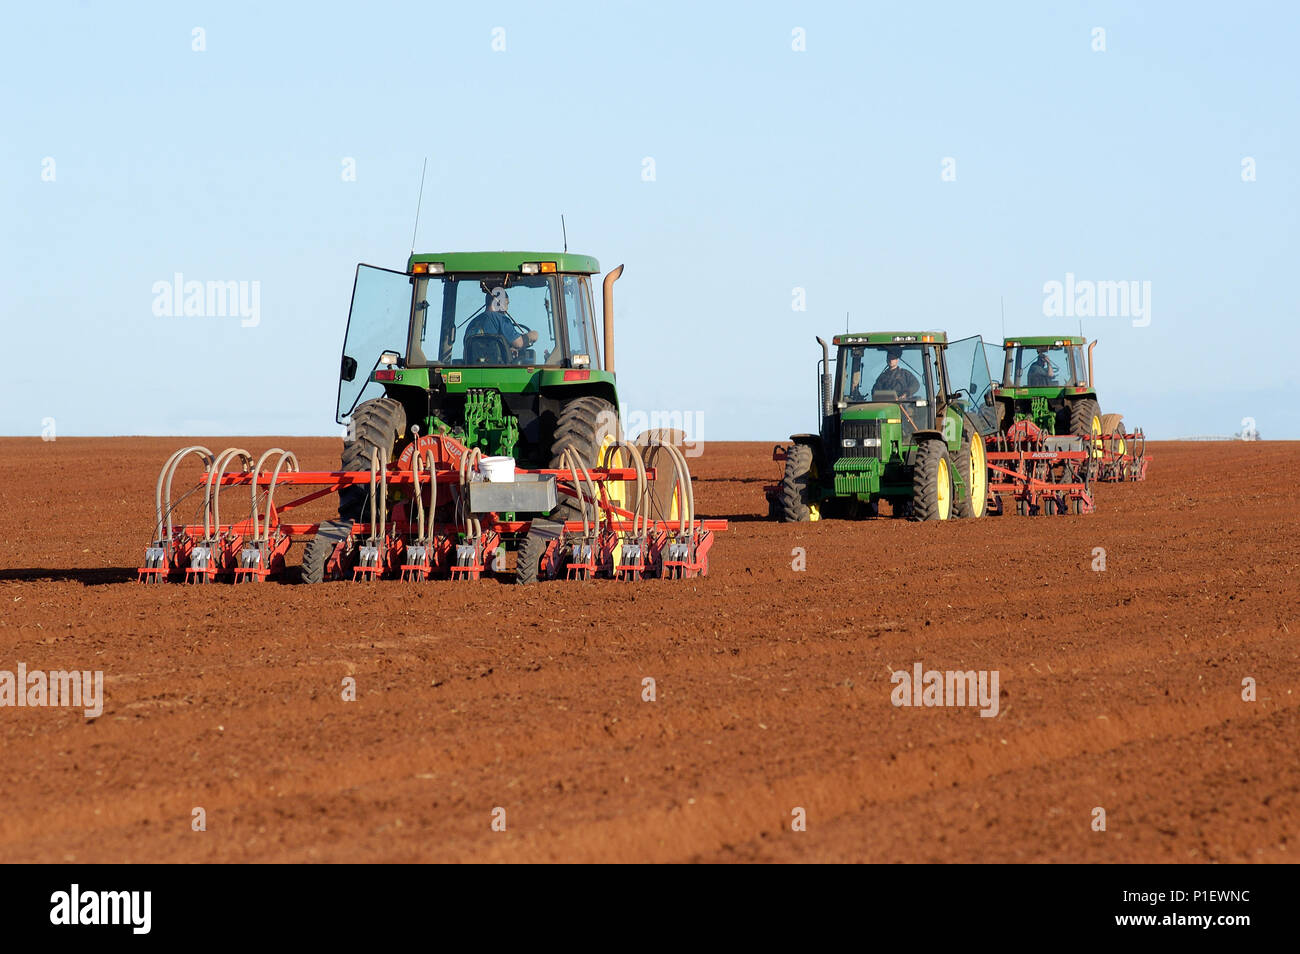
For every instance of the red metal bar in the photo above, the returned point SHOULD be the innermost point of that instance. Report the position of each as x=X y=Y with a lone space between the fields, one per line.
x=331 y=480
x=308 y=530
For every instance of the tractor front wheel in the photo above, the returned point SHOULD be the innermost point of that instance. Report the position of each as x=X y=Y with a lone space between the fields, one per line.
x=932 y=482
x=528 y=559
x=315 y=558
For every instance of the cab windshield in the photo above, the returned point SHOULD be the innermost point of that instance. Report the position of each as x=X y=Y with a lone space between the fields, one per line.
x=485 y=319
x=884 y=373
x=1043 y=366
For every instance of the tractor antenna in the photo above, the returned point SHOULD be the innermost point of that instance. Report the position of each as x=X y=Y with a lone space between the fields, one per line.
x=846 y=322
x=1003 y=308
x=565 y=231
x=418 y=199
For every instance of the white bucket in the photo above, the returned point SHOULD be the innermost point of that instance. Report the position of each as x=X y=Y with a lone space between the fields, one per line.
x=498 y=470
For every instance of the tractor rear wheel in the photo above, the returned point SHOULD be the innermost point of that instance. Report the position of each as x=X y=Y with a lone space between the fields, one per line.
x=798 y=486
x=1114 y=424
x=974 y=469
x=587 y=425
x=321 y=547
x=1085 y=422
x=932 y=482
x=376 y=425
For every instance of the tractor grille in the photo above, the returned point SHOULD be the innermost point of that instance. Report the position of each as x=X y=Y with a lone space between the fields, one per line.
x=865 y=436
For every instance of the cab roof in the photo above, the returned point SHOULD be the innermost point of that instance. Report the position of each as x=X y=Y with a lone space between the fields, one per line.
x=891 y=337
x=505 y=261
x=1044 y=341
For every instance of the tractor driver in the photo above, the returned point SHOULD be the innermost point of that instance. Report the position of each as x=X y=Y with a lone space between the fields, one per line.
x=897 y=379
x=1042 y=373
x=496 y=320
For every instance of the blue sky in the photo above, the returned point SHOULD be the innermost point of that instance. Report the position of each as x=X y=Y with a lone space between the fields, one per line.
x=775 y=169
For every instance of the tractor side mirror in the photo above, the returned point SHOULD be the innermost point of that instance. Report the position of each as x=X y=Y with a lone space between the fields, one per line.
x=349 y=370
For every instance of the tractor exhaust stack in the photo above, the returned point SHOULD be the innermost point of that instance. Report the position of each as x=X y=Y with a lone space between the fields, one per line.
x=826 y=376
x=608 y=302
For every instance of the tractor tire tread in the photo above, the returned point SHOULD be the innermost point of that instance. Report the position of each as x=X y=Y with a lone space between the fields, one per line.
x=795 y=484
x=376 y=425
x=925 y=484
x=319 y=548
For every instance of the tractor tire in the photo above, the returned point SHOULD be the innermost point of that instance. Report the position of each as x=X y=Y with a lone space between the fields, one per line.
x=376 y=425
x=797 y=485
x=320 y=547
x=528 y=559
x=583 y=425
x=974 y=469
x=1114 y=424
x=932 y=489
x=1085 y=418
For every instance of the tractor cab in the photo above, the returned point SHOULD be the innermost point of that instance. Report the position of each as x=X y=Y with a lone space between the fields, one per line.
x=1047 y=381
x=891 y=377
x=910 y=378
x=472 y=310
x=496 y=349
x=1044 y=362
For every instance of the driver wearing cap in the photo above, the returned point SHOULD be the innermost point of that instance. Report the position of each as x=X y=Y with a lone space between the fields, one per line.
x=1042 y=373
x=895 y=378
x=496 y=320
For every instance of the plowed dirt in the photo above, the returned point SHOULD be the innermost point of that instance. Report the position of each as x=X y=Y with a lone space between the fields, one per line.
x=1120 y=689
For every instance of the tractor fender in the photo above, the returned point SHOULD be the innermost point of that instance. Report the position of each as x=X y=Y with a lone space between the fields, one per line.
x=919 y=437
x=815 y=442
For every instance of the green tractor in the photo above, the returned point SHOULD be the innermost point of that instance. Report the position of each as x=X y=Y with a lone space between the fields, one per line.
x=903 y=418
x=1047 y=380
x=499 y=350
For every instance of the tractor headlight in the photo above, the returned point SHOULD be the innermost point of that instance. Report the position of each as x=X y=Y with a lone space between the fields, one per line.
x=848 y=442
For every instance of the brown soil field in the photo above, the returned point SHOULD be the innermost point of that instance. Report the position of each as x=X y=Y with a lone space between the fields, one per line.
x=1120 y=689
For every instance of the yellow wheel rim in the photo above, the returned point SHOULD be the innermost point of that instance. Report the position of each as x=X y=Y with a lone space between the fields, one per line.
x=944 y=490
x=1096 y=436
x=978 y=482
x=617 y=489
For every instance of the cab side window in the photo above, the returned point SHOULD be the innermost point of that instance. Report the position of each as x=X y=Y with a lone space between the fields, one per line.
x=576 y=315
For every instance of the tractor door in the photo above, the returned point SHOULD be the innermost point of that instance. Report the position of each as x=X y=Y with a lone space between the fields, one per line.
x=378 y=322
x=968 y=373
